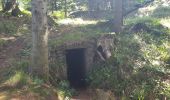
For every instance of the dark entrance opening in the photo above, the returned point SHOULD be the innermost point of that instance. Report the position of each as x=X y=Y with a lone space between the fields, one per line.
x=76 y=67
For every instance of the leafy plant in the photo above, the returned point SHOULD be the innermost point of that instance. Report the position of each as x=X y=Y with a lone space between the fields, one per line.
x=2 y=42
x=65 y=90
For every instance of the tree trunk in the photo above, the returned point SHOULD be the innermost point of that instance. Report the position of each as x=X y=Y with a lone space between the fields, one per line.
x=39 y=66
x=65 y=8
x=8 y=5
x=112 y=4
x=91 y=5
x=55 y=4
x=118 y=19
x=52 y=5
x=3 y=4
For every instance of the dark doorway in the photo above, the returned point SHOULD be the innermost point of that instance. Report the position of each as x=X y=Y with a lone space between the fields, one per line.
x=76 y=67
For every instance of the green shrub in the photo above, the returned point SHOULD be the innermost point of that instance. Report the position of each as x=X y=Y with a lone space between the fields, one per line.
x=8 y=27
x=140 y=92
x=100 y=74
x=65 y=90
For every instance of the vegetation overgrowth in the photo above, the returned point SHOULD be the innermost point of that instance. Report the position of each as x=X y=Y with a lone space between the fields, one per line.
x=139 y=68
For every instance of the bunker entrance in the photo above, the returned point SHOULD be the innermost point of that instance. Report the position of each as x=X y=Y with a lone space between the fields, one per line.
x=76 y=67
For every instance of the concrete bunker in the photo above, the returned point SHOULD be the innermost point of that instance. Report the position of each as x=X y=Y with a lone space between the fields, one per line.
x=72 y=60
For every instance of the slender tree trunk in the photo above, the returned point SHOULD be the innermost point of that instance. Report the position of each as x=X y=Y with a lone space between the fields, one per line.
x=52 y=6
x=39 y=66
x=55 y=4
x=65 y=9
x=118 y=19
x=112 y=4
x=91 y=5
x=8 y=5
x=2 y=3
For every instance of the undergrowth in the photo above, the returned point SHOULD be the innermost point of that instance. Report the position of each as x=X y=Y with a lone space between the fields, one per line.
x=65 y=90
x=17 y=79
x=138 y=69
x=13 y=27
x=139 y=66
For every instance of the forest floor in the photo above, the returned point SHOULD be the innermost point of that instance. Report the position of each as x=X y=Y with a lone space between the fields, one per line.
x=8 y=54
x=11 y=54
x=12 y=51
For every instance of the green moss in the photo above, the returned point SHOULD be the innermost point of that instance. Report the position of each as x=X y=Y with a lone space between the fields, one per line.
x=26 y=13
x=80 y=33
x=58 y=14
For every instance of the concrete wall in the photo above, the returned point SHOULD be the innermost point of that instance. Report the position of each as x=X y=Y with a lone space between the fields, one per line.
x=57 y=57
x=58 y=66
